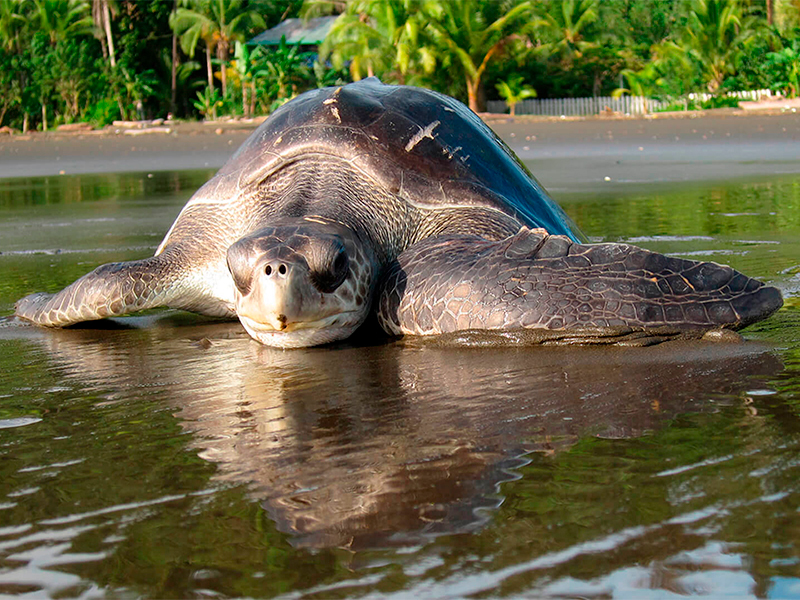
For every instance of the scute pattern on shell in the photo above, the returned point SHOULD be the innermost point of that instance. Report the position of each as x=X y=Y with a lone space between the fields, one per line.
x=381 y=131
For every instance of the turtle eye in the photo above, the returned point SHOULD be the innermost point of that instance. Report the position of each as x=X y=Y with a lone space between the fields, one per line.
x=329 y=270
x=340 y=263
x=268 y=270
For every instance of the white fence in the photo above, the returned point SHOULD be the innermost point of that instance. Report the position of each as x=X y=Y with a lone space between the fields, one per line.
x=631 y=105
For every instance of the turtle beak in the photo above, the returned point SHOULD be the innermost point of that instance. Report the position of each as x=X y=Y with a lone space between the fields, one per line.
x=279 y=294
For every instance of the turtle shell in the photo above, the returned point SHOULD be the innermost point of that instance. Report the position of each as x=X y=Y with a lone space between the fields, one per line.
x=424 y=147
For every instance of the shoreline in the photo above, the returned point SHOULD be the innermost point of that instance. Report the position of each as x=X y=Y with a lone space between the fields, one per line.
x=565 y=154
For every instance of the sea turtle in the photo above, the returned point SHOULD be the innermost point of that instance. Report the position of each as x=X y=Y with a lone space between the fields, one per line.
x=399 y=202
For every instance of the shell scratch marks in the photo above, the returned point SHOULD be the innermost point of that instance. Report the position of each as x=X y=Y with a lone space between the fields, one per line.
x=334 y=109
x=421 y=135
x=451 y=152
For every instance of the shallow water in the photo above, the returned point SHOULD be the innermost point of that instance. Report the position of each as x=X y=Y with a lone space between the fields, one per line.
x=167 y=455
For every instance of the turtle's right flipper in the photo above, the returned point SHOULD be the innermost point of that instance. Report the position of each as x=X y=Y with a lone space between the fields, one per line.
x=110 y=290
x=536 y=281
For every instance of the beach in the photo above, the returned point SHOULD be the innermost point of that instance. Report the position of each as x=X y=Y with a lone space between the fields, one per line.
x=564 y=154
x=169 y=455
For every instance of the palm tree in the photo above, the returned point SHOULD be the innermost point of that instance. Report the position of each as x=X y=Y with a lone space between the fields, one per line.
x=470 y=37
x=377 y=37
x=564 y=22
x=714 y=37
x=102 y=11
x=285 y=68
x=219 y=23
x=358 y=39
x=246 y=67
x=514 y=91
x=61 y=19
x=12 y=23
x=638 y=85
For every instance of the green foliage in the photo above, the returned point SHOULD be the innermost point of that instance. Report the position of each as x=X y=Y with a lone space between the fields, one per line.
x=219 y=23
x=470 y=34
x=103 y=112
x=10 y=90
x=714 y=36
x=720 y=102
x=514 y=91
x=245 y=72
x=563 y=24
x=380 y=38
x=640 y=24
x=326 y=76
x=750 y=73
x=61 y=19
x=76 y=65
x=207 y=103
x=131 y=90
x=783 y=68
x=284 y=72
x=12 y=24
x=143 y=38
x=56 y=64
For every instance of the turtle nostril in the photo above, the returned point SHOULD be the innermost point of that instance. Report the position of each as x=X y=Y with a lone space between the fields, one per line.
x=271 y=269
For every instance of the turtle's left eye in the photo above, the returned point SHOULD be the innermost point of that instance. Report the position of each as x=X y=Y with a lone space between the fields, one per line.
x=329 y=267
x=341 y=262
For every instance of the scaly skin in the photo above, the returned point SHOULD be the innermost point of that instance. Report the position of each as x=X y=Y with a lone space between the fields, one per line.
x=116 y=289
x=537 y=281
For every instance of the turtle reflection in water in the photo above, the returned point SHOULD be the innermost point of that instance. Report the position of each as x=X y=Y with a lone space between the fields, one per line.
x=397 y=201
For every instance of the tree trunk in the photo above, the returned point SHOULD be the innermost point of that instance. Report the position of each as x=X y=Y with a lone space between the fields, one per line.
x=472 y=95
x=104 y=47
x=109 y=38
x=173 y=108
x=44 y=117
x=25 y=122
x=770 y=12
x=208 y=68
x=223 y=70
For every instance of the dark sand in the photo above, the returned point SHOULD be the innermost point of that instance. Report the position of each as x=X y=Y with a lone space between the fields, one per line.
x=621 y=153
x=565 y=155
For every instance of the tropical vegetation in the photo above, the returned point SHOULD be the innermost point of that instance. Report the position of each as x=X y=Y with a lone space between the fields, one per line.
x=63 y=61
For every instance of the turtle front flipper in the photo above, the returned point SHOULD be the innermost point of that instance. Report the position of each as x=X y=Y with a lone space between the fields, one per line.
x=535 y=281
x=115 y=289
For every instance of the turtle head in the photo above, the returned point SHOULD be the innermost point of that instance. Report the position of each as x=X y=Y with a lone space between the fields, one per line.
x=301 y=282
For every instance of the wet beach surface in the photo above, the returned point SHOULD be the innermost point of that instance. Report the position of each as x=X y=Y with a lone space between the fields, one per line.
x=167 y=455
x=577 y=153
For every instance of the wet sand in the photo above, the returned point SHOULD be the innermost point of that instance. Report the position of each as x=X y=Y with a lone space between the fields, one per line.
x=565 y=155
x=625 y=153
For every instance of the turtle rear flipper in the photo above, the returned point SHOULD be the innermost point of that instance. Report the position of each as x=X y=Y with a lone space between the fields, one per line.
x=536 y=281
x=116 y=289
